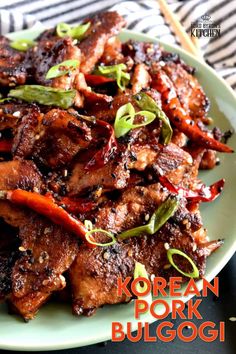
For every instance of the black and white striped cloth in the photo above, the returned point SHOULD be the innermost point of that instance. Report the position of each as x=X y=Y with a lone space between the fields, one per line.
x=143 y=16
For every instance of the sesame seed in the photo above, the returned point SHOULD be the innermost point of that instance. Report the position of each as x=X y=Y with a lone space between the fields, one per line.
x=22 y=249
x=147 y=216
x=167 y=266
x=232 y=319
x=16 y=114
x=106 y=255
x=194 y=247
x=167 y=246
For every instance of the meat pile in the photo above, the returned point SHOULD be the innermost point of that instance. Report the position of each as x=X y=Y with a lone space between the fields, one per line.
x=62 y=166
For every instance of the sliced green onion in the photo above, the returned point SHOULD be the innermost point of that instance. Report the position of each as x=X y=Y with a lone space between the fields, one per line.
x=5 y=99
x=22 y=44
x=171 y=252
x=116 y=72
x=140 y=271
x=44 y=95
x=88 y=224
x=146 y=102
x=124 y=119
x=157 y=220
x=77 y=32
x=61 y=69
x=113 y=239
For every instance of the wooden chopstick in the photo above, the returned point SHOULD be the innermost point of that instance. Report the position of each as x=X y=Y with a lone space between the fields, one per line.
x=178 y=29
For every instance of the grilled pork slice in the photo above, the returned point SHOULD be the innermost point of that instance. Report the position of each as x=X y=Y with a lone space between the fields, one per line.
x=169 y=160
x=8 y=254
x=114 y=175
x=47 y=252
x=94 y=273
x=52 y=139
x=12 y=113
x=103 y=26
x=19 y=174
x=12 y=72
x=190 y=93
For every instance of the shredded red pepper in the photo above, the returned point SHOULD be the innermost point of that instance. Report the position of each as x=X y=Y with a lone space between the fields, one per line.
x=201 y=194
x=46 y=206
x=5 y=145
x=76 y=205
x=102 y=157
x=96 y=80
x=180 y=119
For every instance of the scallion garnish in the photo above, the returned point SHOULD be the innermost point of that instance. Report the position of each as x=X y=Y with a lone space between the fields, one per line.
x=89 y=226
x=140 y=271
x=125 y=117
x=22 y=44
x=173 y=251
x=77 y=32
x=44 y=95
x=147 y=103
x=157 y=220
x=61 y=69
x=116 y=72
x=5 y=99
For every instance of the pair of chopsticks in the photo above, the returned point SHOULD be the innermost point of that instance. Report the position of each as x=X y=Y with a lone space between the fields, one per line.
x=192 y=46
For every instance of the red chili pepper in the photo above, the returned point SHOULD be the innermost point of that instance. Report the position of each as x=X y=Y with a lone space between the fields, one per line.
x=76 y=205
x=102 y=156
x=202 y=194
x=96 y=80
x=179 y=118
x=5 y=145
x=45 y=205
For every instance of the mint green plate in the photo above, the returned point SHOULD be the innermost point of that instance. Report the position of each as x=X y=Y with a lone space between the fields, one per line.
x=55 y=327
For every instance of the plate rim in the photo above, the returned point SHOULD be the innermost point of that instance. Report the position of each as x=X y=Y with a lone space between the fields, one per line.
x=73 y=343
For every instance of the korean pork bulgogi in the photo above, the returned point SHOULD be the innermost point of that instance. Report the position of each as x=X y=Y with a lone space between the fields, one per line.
x=101 y=143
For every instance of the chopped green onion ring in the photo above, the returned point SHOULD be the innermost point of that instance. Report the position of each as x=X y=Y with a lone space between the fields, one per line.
x=116 y=72
x=44 y=95
x=144 y=101
x=88 y=224
x=61 y=69
x=5 y=99
x=77 y=32
x=125 y=116
x=22 y=44
x=97 y=243
x=171 y=252
x=140 y=271
x=157 y=220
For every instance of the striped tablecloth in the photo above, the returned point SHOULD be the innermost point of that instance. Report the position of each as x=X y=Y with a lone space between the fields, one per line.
x=143 y=16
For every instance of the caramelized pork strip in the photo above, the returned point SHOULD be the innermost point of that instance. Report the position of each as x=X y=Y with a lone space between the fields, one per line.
x=12 y=71
x=12 y=113
x=103 y=26
x=49 y=252
x=52 y=139
x=94 y=273
x=140 y=79
x=112 y=52
x=114 y=175
x=189 y=91
x=8 y=254
x=19 y=174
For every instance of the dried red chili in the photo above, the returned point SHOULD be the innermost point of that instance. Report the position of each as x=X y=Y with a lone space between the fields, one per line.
x=202 y=194
x=102 y=157
x=5 y=145
x=46 y=206
x=180 y=119
x=96 y=80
